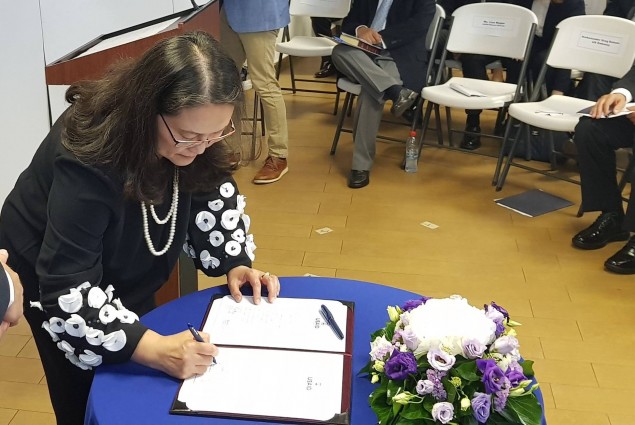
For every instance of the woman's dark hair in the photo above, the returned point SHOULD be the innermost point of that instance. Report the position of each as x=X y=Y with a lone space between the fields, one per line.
x=112 y=122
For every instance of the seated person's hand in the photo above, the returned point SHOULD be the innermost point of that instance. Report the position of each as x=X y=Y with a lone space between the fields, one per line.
x=238 y=276
x=609 y=103
x=369 y=35
x=14 y=312
x=178 y=355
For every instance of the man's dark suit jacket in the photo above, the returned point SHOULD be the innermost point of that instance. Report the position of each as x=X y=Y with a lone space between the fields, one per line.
x=556 y=13
x=620 y=8
x=627 y=82
x=405 y=34
x=4 y=292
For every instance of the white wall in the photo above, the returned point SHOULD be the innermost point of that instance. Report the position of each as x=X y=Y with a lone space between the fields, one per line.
x=34 y=33
x=23 y=101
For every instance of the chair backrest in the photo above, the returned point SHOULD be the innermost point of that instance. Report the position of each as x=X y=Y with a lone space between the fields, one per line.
x=497 y=29
x=435 y=27
x=594 y=43
x=320 y=8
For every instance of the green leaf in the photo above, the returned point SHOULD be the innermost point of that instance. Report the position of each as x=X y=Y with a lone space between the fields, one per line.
x=469 y=420
x=527 y=409
x=384 y=414
x=528 y=368
x=450 y=389
x=415 y=411
x=467 y=371
x=393 y=387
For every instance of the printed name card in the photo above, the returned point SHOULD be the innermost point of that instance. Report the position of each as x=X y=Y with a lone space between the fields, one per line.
x=607 y=43
x=496 y=26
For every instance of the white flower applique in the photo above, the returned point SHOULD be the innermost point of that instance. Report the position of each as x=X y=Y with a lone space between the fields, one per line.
x=250 y=247
x=229 y=219
x=188 y=248
x=89 y=358
x=216 y=238
x=205 y=221
x=216 y=205
x=97 y=297
x=247 y=222
x=46 y=326
x=241 y=203
x=227 y=190
x=239 y=235
x=72 y=302
x=75 y=326
x=94 y=336
x=207 y=260
x=114 y=341
x=232 y=248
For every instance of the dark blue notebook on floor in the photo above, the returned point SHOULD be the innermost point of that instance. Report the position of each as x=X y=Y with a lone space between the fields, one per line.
x=533 y=203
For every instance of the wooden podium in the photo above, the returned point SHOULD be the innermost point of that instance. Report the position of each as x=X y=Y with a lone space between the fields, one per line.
x=92 y=59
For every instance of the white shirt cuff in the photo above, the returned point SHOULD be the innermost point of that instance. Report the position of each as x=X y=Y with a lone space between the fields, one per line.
x=11 y=290
x=627 y=94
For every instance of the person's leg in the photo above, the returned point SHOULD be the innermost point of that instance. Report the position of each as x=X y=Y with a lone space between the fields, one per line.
x=231 y=41
x=369 y=114
x=260 y=51
x=593 y=86
x=322 y=26
x=68 y=385
x=473 y=66
x=596 y=141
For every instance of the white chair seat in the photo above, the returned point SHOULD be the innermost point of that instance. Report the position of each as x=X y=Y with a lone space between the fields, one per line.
x=306 y=46
x=349 y=86
x=497 y=94
x=537 y=113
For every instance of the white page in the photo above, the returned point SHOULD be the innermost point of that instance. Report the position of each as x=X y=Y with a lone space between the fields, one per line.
x=286 y=323
x=290 y=384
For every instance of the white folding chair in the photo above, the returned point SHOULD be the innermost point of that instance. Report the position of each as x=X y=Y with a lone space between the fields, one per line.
x=494 y=29
x=353 y=89
x=589 y=43
x=310 y=46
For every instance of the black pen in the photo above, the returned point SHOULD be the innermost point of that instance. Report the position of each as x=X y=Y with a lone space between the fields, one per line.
x=330 y=320
x=197 y=336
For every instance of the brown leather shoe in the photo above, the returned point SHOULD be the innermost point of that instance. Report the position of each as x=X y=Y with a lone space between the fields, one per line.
x=272 y=171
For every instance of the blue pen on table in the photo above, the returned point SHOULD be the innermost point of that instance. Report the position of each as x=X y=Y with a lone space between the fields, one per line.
x=197 y=336
x=330 y=320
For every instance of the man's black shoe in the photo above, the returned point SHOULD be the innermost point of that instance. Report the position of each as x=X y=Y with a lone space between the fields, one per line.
x=327 y=70
x=358 y=178
x=405 y=100
x=471 y=141
x=623 y=261
x=607 y=228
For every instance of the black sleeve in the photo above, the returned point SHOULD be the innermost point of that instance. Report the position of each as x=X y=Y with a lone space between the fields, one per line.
x=4 y=292
x=217 y=236
x=411 y=29
x=86 y=320
x=627 y=82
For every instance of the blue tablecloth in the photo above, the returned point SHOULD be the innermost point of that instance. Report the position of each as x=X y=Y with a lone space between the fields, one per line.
x=132 y=394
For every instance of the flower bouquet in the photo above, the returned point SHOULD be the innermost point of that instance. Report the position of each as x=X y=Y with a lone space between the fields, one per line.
x=445 y=361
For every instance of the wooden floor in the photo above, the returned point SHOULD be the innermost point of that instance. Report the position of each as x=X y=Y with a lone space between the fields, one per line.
x=576 y=317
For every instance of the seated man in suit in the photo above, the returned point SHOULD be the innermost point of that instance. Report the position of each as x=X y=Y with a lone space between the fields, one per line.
x=10 y=295
x=397 y=74
x=597 y=139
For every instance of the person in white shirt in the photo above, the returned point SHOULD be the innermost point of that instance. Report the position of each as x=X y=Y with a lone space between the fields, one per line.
x=10 y=295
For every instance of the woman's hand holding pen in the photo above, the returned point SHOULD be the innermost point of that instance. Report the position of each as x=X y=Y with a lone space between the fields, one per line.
x=238 y=276
x=178 y=355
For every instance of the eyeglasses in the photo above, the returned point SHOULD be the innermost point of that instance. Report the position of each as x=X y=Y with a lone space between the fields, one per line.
x=186 y=144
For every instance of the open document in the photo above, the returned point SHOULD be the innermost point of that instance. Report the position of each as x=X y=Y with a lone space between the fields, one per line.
x=625 y=111
x=285 y=353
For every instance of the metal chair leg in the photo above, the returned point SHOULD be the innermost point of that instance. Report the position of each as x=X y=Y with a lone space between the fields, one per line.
x=340 y=121
x=510 y=156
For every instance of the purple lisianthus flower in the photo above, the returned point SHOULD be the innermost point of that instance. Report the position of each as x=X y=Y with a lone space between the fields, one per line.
x=481 y=404
x=412 y=304
x=473 y=348
x=400 y=365
x=424 y=387
x=438 y=391
x=500 y=328
x=494 y=378
x=440 y=360
x=505 y=344
x=443 y=412
x=515 y=377
x=501 y=310
x=410 y=339
x=500 y=399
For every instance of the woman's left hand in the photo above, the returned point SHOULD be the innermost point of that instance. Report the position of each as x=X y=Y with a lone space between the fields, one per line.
x=240 y=275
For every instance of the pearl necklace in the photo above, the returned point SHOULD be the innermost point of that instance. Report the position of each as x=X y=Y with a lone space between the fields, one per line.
x=171 y=214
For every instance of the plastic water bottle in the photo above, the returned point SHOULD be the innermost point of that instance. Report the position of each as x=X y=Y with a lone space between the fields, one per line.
x=412 y=151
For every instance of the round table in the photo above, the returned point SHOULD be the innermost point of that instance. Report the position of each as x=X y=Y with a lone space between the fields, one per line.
x=129 y=393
